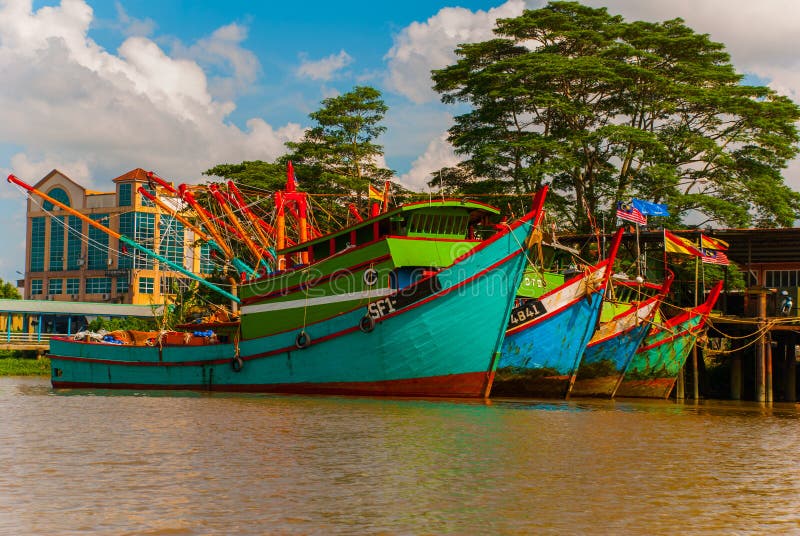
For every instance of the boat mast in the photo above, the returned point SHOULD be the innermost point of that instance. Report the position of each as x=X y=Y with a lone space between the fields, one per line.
x=258 y=251
x=238 y=263
x=122 y=238
x=258 y=223
x=203 y=214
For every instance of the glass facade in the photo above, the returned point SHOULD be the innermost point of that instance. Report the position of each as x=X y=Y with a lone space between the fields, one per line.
x=37 y=245
x=122 y=285
x=56 y=263
x=145 y=235
x=59 y=195
x=98 y=285
x=171 y=239
x=146 y=285
x=73 y=285
x=74 y=239
x=146 y=202
x=55 y=286
x=98 y=245
x=206 y=260
x=125 y=194
x=172 y=285
x=127 y=227
x=61 y=243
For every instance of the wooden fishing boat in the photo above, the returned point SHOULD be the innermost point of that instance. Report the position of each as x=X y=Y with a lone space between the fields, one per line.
x=654 y=368
x=546 y=336
x=615 y=342
x=407 y=303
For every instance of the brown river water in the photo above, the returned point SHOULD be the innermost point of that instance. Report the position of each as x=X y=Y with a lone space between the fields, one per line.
x=100 y=462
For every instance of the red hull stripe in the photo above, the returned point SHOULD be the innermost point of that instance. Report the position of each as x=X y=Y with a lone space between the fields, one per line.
x=682 y=333
x=427 y=239
x=468 y=385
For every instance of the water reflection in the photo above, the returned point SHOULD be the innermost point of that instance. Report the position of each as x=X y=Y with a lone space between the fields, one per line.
x=112 y=462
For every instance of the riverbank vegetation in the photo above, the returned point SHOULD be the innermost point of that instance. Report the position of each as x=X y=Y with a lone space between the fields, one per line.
x=21 y=364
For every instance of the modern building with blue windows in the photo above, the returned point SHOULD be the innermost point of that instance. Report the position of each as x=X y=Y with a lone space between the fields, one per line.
x=69 y=260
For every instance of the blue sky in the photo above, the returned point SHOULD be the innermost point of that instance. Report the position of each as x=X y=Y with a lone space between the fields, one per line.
x=96 y=88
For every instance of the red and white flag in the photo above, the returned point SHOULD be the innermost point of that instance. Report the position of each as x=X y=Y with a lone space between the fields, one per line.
x=630 y=213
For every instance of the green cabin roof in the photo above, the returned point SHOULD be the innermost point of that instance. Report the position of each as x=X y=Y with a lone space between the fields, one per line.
x=439 y=206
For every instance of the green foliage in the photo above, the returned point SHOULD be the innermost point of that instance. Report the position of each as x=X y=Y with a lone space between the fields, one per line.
x=606 y=110
x=9 y=291
x=334 y=162
x=254 y=174
x=122 y=323
x=18 y=366
x=341 y=146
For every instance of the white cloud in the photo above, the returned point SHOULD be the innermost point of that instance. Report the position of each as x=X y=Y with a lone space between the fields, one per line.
x=222 y=52
x=424 y=46
x=68 y=100
x=437 y=155
x=325 y=68
x=131 y=26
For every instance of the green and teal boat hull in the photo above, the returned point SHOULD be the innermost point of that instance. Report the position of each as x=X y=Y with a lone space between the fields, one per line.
x=654 y=369
x=340 y=329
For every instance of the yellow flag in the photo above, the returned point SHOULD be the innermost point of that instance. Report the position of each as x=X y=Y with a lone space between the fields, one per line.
x=375 y=194
x=676 y=244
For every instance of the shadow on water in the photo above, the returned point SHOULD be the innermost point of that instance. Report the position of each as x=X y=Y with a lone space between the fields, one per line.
x=27 y=386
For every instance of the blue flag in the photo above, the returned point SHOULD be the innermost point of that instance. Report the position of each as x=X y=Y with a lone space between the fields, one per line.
x=648 y=208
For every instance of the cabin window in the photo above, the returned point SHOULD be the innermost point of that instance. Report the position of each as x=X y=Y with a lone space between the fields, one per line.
x=453 y=225
x=36 y=287
x=55 y=286
x=320 y=251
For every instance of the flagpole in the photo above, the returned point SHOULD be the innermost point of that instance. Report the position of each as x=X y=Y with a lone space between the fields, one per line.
x=638 y=254
x=695 y=379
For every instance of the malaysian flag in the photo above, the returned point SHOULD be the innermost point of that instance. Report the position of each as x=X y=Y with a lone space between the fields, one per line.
x=713 y=250
x=628 y=212
x=714 y=257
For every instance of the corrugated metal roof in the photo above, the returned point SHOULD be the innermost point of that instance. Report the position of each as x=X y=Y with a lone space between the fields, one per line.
x=77 y=308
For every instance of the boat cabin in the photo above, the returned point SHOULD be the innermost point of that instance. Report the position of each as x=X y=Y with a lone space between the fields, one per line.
x=448 y=220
